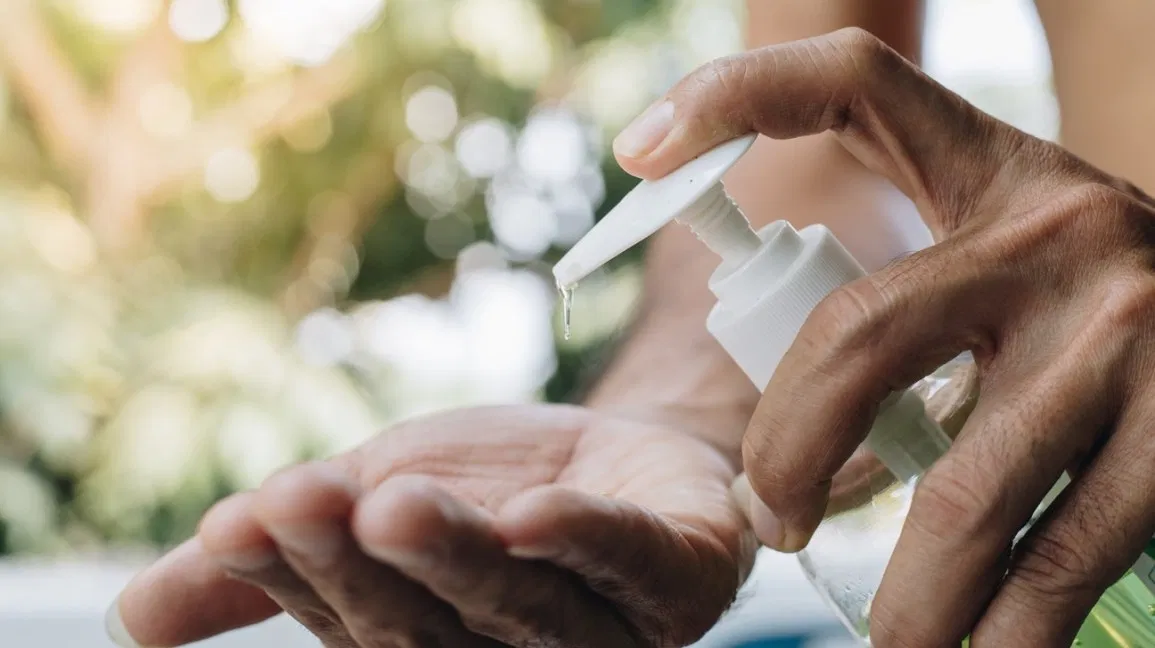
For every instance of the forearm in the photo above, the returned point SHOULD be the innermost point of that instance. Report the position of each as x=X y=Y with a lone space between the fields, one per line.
x=1103 y=54
x=670 y=369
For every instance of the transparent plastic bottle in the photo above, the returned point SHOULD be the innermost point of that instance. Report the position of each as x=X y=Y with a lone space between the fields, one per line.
x=848 y=554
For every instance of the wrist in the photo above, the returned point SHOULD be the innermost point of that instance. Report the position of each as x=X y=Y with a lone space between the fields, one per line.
x=698 y=390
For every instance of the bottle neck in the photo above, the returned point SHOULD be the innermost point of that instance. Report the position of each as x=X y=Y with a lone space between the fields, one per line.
x=718 y=223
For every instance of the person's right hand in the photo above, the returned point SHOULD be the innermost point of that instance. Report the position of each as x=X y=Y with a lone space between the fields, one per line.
x=522 y=526
x=1044 y=269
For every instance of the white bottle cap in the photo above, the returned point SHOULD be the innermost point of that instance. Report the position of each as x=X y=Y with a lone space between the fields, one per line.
x=647 y=208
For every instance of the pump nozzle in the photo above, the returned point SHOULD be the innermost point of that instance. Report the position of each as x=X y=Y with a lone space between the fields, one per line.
x=653 y=204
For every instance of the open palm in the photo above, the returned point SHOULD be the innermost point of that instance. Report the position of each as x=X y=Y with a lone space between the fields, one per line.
x=525 y=526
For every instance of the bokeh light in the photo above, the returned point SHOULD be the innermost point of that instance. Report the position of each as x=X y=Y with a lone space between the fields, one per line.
x=435 y=180
x=509 y=37
x=431 y=114
x=61 y=240
x=118 y=16
x=311 y=134
x=484 y=147
x=252 y=443
x=166 y=110
x=706 y=30
x=308 y=32
x=552 y=147
x=324 y=338
x=197 y=21
x=521 y=221
x=231 y=175
x=481 y=256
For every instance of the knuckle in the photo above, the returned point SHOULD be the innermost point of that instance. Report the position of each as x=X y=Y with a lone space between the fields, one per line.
x=1086 y=216
x=869 y=60
x=1100 y=197
x=724 y=83
x=1097 y=204
x=951 y=503
x=849 y=317
x=1126 y=303
x=865 y=48
x=1051 y=569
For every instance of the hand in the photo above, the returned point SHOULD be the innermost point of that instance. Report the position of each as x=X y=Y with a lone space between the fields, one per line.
x=1043 y=270
x=520 y=526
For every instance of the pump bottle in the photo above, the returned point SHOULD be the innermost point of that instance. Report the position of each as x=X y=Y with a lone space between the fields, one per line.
x=766 y=285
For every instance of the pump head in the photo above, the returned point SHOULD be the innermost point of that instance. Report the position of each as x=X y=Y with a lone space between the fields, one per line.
x=692 y=194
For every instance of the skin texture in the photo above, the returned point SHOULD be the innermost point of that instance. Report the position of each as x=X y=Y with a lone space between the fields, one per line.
x=672 y=380
x=1043 y=271
x=517 y=526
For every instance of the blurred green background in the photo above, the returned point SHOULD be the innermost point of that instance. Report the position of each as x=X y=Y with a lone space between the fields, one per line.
x=234 y=235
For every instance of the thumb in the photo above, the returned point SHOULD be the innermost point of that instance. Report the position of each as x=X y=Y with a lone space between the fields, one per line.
x=938 y=149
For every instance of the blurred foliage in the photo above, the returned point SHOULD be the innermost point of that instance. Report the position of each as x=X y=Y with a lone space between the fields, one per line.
x=209 y=210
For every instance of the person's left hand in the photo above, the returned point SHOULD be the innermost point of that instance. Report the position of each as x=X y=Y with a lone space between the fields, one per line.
x=519 y=526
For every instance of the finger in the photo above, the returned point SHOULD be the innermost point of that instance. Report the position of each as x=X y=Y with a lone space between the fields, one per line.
x=942 y=152
x=654 y=568
x=865 y=341
x=234 y=538
x=1086 y=541
x=156 y=607
x=864 y=475
x=307 y=510
x=968 y=508
x=451 y=548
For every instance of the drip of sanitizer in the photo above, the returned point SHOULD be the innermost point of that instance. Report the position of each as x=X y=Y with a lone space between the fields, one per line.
x=566 y=293
x=767 y=284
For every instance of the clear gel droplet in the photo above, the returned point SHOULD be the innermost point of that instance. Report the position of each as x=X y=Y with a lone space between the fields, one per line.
x=566 y=293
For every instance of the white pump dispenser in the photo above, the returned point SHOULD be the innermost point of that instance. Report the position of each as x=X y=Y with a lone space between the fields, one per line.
x=767 y=284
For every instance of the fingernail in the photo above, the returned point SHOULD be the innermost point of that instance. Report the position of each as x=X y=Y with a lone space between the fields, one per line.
x=766 y=525
x=741 y=492
x=318 y=543
x=646 y=132
x=769 y=529
x=114 y=626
